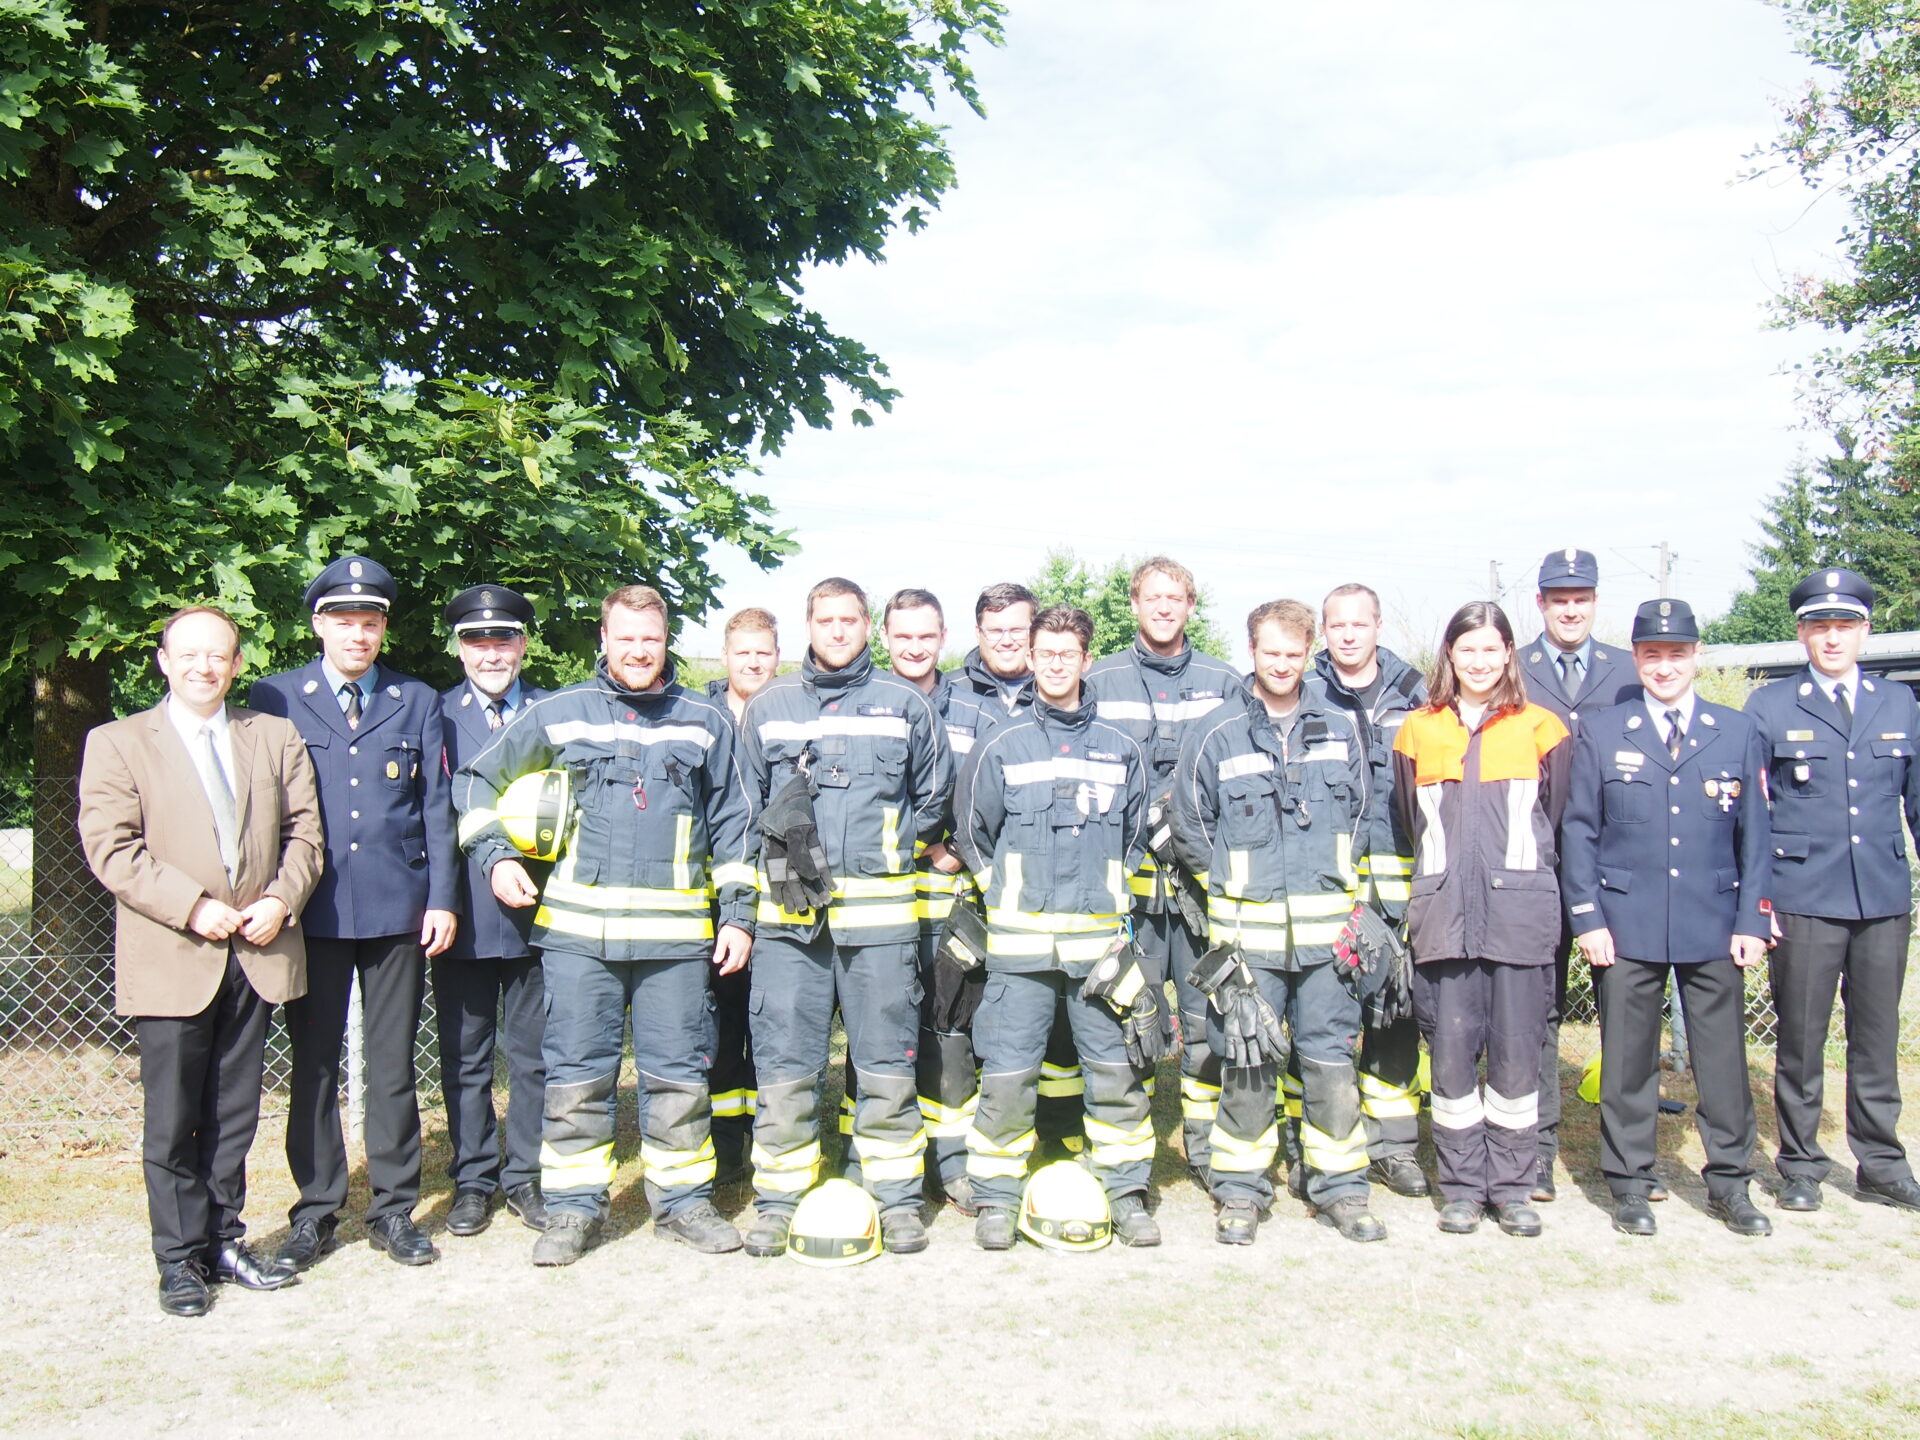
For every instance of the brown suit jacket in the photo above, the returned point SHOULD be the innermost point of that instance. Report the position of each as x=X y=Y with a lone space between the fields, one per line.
x=148 y=831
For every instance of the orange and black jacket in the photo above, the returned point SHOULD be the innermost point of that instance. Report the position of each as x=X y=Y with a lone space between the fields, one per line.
x=1483 y=807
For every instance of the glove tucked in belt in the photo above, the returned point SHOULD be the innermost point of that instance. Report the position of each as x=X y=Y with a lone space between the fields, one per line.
x=1252 y=1030
x=1186 y=894
x=959 y=969
x=1119 y=981
x=796 y=862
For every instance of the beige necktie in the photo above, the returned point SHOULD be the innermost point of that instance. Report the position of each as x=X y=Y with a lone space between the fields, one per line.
x=226 y=817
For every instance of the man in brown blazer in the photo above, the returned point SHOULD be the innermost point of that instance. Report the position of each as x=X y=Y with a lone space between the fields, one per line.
x=203 y=821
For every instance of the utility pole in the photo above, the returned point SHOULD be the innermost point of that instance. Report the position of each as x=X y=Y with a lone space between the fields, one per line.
x=1493 y=581
x=1666 y=567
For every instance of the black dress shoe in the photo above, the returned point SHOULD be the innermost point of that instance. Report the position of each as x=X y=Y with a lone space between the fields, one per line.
x=1901 y=1194
x=235 y=1264
x=1543 y=1191
x=1633 y=1216
x=471 y=1212
x=1740 y=1215
x=1656 y=1192
x=1400 y=1173
x=309 y=1241
x=1799 y=1193
x=526 y=1201
x=401 y=1240
x=183 y=1288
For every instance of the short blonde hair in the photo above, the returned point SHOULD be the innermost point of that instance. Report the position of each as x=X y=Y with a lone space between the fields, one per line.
x=1172 y=569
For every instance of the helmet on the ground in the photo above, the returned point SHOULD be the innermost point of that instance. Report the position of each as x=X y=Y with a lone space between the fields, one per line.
x=836 y=1223
x=533 y=812
x=1065 y=1208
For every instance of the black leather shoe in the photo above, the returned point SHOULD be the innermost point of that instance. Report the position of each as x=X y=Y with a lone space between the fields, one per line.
x=1632 y=1215
x=309 y=1241
x=1517 y=1218
x=1401 y=1174
x=1740 y=1215
x=471 y=1212
x=401 y=1240
x=1657 y=1193
x=1901 y=1194
x=1799 y=1193
x=235 y=1264
x=1351 y=1217
x=526 y=1201
x=183 y=1288
x=1543 y=1192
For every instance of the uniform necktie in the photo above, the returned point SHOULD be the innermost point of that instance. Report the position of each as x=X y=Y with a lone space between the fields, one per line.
x=1844 y=705
x=1673 y=734
x=1569 y=673
x=352 y=691
x=226 y=818
x=494 y=717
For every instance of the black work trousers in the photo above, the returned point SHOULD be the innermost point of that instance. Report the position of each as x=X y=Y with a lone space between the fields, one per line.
x=1866 y=960
x=392 y=984
x=1549 y=1130
x=200 y=1079
x=1714 y=994
x=473 y=1001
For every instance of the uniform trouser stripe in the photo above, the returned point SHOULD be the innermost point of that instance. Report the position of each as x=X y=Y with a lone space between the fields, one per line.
x=786 y=1148
x=1521 y=1112
x=1458 y=1112
x=731 y=1103
x=1059 y=1080
x=947 y=1121
x=676 y=1143
x=1332 y=1156
x=1485 y=1137
x=1198 y=1099
x=1244 y=1157
x=1389 y=1086
x=589 y=1170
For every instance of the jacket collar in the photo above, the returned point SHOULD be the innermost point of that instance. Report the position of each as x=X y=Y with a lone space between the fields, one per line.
x=1172 y=665
x=856 y=672
x=1050 y=717
x=1013 y=695
x=614 y=690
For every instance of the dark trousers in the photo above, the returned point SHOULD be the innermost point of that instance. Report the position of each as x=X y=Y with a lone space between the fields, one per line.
x=589 y=1002
x=1483 y=1136
x=1867 y=961
x=469 y=999
x=200 y=1078
x=1550 y=1049
x=1389 y=1097
x=796 y=984
x=731 y=1081
x=1714 y=993
x=1169 y=950
x=392 y=984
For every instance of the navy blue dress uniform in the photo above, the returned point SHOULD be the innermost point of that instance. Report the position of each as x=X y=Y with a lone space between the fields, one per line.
x=1156 y=700
x=1671 y=855
x=391 y=856
x=490 y=970
x=1593 y=677
x=1841 y=775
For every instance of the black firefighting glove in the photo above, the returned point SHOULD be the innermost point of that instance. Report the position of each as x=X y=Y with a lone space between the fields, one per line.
x=795 y=860
x=1186 y=892
x=1251 y=1031
x=1373 y=960
x=1119 y=981
x=959 y=969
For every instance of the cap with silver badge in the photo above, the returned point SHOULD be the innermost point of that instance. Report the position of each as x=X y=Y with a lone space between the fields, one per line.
x=353 y=582
x=1832 y=595
x=489 y=612
x=1665 y=620
x=1569 y=569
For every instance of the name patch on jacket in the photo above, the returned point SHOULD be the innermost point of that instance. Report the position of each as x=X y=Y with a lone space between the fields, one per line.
x=879 y=710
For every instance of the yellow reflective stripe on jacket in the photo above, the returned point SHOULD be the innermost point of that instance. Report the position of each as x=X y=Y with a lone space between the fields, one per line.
x=624 y=927
x=1010 y=885
x=735 y=872
x=1117 y=885
x=1343 y=860
x=474 y=821
x=890 y=835
x=683 y=853
x=571 y=896
x=1053 y=922
x=1239 y=873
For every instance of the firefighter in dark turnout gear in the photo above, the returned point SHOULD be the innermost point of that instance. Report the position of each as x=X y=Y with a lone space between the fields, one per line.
x=1378 y=690
x=750 y=647
x=1156 y=690
x=1050 y=818
x=655 y=880
x=1269 y=801
x=881 y=775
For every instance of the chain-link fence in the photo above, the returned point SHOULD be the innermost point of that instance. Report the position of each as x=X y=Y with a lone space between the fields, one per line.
x=68 y=1064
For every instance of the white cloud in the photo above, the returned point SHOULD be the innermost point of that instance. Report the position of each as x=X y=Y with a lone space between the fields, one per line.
x=1310 y=294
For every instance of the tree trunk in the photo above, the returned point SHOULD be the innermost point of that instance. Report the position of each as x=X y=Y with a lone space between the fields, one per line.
x=72 y=915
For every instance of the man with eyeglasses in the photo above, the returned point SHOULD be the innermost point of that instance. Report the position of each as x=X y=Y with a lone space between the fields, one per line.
x=1050 y=816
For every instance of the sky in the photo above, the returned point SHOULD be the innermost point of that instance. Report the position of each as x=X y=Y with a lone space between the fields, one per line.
x=1301 y=294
